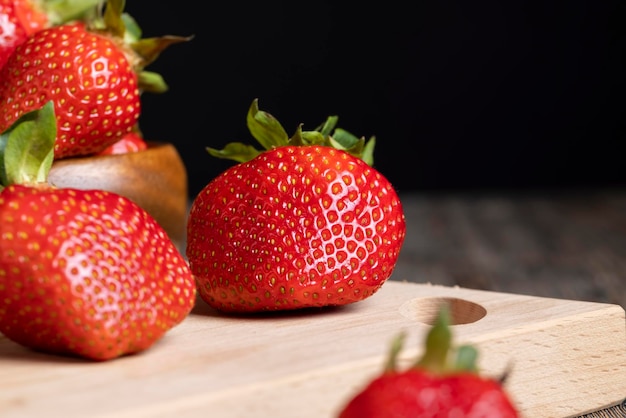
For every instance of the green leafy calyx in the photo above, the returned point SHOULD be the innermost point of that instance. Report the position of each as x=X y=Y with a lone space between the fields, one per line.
x=269 y=133
x=64 y=11
x=439 y=356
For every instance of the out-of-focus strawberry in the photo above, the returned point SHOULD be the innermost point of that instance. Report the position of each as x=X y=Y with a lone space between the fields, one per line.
x=90 y=73
x=82 y=272
x=131 y=142
x=436 y=386
x=21 y=18
x=91 y=82
x=303 y=224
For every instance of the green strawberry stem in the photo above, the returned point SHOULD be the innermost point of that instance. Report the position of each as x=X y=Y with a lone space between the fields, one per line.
x=268 y=131
x=439 y=357
x=27 y=148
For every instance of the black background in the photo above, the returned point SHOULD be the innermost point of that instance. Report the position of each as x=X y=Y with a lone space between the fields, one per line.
x=460 y=95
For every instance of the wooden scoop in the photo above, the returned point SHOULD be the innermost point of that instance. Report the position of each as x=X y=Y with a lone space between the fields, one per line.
x=155 y=179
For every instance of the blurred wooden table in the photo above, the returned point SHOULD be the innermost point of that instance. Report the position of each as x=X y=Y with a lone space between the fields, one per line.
x=567 y=244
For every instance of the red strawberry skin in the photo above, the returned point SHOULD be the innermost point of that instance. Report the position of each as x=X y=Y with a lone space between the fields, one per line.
x=131 y=142
x=18 y=20
x=89 y=78
x=296 y=227
x=87 y=273
x=416 y=393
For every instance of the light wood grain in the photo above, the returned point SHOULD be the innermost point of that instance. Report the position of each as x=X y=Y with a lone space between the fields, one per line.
x=567 y=358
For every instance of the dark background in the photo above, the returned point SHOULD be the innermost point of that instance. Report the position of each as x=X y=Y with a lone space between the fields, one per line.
x=460 y=95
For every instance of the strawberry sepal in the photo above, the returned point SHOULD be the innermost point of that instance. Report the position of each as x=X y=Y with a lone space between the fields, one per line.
x=265 y=128
x=235 y=151
x=151 y=82
x=149 y=49
x=27 y=148
x=63 y=11
x=440 y=356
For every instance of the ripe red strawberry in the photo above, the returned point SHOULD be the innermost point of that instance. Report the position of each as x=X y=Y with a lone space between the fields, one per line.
x=82 y=272
x=21 y=18
x=131 y=142
x=93 y=77
x=87 y=273
x=432 y=387
x=88 y=77
x=295 y=226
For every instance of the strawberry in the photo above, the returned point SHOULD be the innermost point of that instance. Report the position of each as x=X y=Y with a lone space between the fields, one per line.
x=21 y=18
x=131 y=142
x=432 y=387
x=82 y=272
x=90 y=73
x=94 y=87
x=302 y=224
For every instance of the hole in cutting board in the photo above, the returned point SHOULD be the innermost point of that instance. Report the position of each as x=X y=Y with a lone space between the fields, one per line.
x=425 y=310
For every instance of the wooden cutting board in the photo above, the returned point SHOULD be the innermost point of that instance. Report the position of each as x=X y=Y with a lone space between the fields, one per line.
x=567 y=358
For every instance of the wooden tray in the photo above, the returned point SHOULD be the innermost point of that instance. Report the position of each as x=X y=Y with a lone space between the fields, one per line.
x=567 y=358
